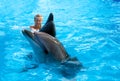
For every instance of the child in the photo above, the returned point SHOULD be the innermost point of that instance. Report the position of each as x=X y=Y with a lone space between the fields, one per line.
x=37 y=23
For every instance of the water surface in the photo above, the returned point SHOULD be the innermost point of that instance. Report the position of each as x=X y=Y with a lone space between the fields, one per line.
x=88 y=29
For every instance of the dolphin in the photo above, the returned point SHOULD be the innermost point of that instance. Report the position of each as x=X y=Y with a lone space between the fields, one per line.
x=46 y=46
x=42 y=42
x=56 y=53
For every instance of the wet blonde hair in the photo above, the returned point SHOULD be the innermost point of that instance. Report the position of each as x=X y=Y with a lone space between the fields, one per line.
x=38 y=15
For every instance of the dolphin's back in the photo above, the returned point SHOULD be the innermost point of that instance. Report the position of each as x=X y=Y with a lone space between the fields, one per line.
x=52 y=45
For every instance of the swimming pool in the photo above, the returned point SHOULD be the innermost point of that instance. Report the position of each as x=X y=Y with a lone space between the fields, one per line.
x=88 y=29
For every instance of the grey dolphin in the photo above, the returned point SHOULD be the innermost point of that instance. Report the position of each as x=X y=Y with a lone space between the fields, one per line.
x=42 y=42
x=45 y=45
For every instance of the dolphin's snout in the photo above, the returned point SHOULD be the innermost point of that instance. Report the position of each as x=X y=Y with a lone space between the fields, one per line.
x=23 y=31
x=27 y=33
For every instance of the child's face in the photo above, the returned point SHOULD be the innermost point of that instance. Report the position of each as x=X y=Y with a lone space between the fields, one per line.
x=38 y=20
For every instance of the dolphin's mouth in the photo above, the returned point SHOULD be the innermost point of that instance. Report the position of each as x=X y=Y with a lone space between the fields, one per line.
x=28 y=33
x=32 y=37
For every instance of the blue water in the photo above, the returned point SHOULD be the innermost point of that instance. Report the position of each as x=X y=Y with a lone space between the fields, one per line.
x=88 y=29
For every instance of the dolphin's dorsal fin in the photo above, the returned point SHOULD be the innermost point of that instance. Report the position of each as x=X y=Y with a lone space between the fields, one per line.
x=50 y=18
x=49 y=26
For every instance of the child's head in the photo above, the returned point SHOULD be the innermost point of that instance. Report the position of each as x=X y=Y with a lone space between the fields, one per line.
x=38 y=19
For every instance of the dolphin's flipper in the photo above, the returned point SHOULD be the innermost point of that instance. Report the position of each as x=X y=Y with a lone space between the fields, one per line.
x=49 y=26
